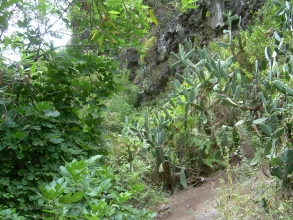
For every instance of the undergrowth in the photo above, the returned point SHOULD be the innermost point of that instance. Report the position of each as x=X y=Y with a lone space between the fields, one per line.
x=254 y=195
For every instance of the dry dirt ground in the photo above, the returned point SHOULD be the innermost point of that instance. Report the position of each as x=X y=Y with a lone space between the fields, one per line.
x=196 y=203
x=199 y=203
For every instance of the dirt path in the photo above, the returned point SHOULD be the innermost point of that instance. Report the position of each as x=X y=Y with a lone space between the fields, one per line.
x=199 y=203
x=195 y=203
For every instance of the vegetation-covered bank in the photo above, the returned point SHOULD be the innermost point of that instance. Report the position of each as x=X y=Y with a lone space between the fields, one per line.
x=53 y=154
x=230 y=96
x=73 y=146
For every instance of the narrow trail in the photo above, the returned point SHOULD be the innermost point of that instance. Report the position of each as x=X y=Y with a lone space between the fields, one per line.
x=194 y=203
x=197 y=203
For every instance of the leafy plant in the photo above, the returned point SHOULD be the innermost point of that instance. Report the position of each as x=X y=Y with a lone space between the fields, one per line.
x=259 y=95
x=10 y=214
x=263 y=200
x=88 y=190
x=134 y=168
x=154 y=136
x=121 y=103
x=184 y=5
x=52 y=98
x=282 y=168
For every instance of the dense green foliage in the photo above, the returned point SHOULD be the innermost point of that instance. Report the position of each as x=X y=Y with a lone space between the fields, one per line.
x=252 y=96
x=61 y=160
x=52 y=104
x=43 y=128
x=88 y=190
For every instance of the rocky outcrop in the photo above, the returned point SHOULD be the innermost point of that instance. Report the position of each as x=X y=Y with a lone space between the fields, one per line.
x=201 y=25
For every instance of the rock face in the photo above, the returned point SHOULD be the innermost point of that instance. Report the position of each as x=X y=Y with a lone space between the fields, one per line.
x=216 y=9
x=200 y=25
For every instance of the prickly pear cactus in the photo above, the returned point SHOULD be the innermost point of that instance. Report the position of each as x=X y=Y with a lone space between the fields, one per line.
x=283 y=167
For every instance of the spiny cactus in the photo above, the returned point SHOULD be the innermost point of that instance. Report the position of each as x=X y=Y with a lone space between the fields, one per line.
x=283 y=167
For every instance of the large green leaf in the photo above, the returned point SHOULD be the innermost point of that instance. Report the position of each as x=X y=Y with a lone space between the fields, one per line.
x=265 y=128
x=52 y=114
x=183 y=179
x=278 y=172
x=7 y=4
x=38 y=142
x=237 y=94
x=43 y=105
x=160 y=154
x=202 y=117
x=270 y=147
x=145 y=148
x=71 y=197
x=56 y=140
x=260 y=120
x=192 y=95
x=239 y=123
x=257 y=158
x=230 y=102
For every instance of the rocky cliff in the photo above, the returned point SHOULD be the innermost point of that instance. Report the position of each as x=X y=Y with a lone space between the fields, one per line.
x=151 y=71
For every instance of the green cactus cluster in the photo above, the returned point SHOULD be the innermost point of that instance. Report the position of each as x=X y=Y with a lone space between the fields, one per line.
x=282 y=167
x=263 y=99
x=153 y=134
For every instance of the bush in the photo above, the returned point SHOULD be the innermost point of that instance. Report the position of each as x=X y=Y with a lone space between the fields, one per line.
x=85 y=189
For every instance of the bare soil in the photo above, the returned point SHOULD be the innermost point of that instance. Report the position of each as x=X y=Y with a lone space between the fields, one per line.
x=200 y=202
x=196 y=203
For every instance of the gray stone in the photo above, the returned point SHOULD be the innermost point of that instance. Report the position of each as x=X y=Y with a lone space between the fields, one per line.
x=164 y=207
x=210 y=214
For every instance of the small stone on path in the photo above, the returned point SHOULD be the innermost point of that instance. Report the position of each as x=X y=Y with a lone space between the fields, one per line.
x=164 y=207
x=208 y=215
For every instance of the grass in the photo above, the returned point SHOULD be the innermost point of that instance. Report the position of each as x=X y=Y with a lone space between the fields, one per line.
x=253 y=195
